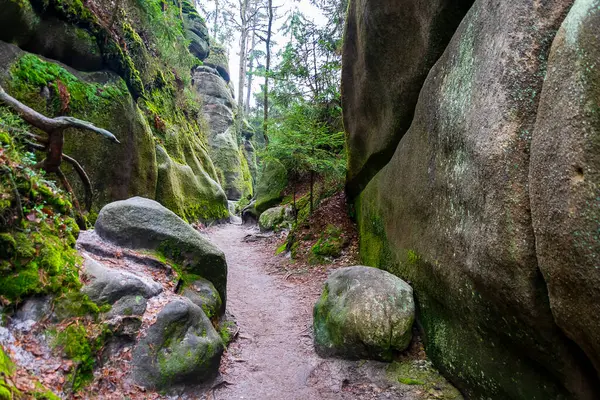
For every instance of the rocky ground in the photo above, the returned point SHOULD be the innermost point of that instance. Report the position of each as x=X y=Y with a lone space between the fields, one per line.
x=271 y=355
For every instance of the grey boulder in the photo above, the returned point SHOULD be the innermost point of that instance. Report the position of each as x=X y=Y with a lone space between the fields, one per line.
x=203 y=294
x=363 y=313
x=182 y=347
x=108 y=285
x=140 y=223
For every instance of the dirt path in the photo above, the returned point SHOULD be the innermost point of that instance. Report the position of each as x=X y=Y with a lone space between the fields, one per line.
x=273 y=356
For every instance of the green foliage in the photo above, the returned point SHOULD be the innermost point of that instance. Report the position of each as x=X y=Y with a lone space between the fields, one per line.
x=304 y=143
x=37 y=254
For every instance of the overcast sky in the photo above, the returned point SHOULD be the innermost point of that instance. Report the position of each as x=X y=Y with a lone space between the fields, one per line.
x=307 y=9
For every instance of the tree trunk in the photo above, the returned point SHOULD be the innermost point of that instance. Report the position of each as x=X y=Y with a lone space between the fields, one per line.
x=312 y=184
x=216 y=22
x=250 y=71
x=267 y=70
x=243 y=51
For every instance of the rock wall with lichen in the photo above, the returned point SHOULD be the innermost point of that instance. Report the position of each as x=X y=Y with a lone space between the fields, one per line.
x=126 y=67
x=488 y=205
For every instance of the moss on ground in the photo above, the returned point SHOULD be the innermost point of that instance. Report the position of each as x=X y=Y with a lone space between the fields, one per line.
x=81 y=343
x=421 y=373
x=8 y=391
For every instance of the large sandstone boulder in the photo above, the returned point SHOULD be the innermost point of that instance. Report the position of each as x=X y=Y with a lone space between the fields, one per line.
x=363 y=313
x=451 y=212
x=140 y=223
x=565 y=178
x=272 y=182
x=192 y=195
x=181 y=347
x=389 y=48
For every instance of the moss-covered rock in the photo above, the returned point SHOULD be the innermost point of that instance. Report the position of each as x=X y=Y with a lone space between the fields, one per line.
x=275 y=219
x=116 y=171
x=330 y=245
x=180 y=347
x=191 y=196
x=219 y=107
x=421 y=373
x=140 y=223
x=219 y=61
x=202 y=293
x=37 y=231
x=451 y=212
x=363 y=313
x=272 y=182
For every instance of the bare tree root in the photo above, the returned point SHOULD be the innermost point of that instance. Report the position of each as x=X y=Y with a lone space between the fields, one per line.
x=53 y=145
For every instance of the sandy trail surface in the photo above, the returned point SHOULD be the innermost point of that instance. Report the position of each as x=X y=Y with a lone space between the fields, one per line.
x=273 y=355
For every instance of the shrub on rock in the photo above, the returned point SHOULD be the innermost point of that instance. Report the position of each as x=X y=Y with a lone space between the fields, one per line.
x=363 y=313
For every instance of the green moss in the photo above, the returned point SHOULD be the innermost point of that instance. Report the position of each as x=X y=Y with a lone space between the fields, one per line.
x=30 y=73
x=422 y=373
x=330 y=244
x=7 y=369
x=271 y=185
x=81 y=343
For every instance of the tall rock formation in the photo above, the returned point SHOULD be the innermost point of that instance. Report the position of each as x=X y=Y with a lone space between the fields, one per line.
x=489 y=205
x=136 y=84
x=220 y=111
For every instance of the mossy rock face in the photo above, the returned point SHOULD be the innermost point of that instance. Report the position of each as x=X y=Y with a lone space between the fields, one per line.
x=452 y=211
x=140 y=223
x=383 y=71
x=363 y=313
x=230 y=162
x=271 y=184
x=117 y=171
x=274 y=219
x=421 y=373
x=197 y=34
x=192 y=195
x=182 y=347
x=202 y=293
x=565 y=178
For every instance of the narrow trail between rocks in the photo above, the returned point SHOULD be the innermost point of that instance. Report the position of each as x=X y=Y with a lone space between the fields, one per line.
x=273 y=355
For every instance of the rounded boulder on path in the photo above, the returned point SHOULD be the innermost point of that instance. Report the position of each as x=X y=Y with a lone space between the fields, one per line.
x=363 y=313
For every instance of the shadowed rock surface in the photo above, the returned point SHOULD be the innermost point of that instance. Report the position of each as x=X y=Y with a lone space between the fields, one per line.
x=452 y=212
x=389 y=48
